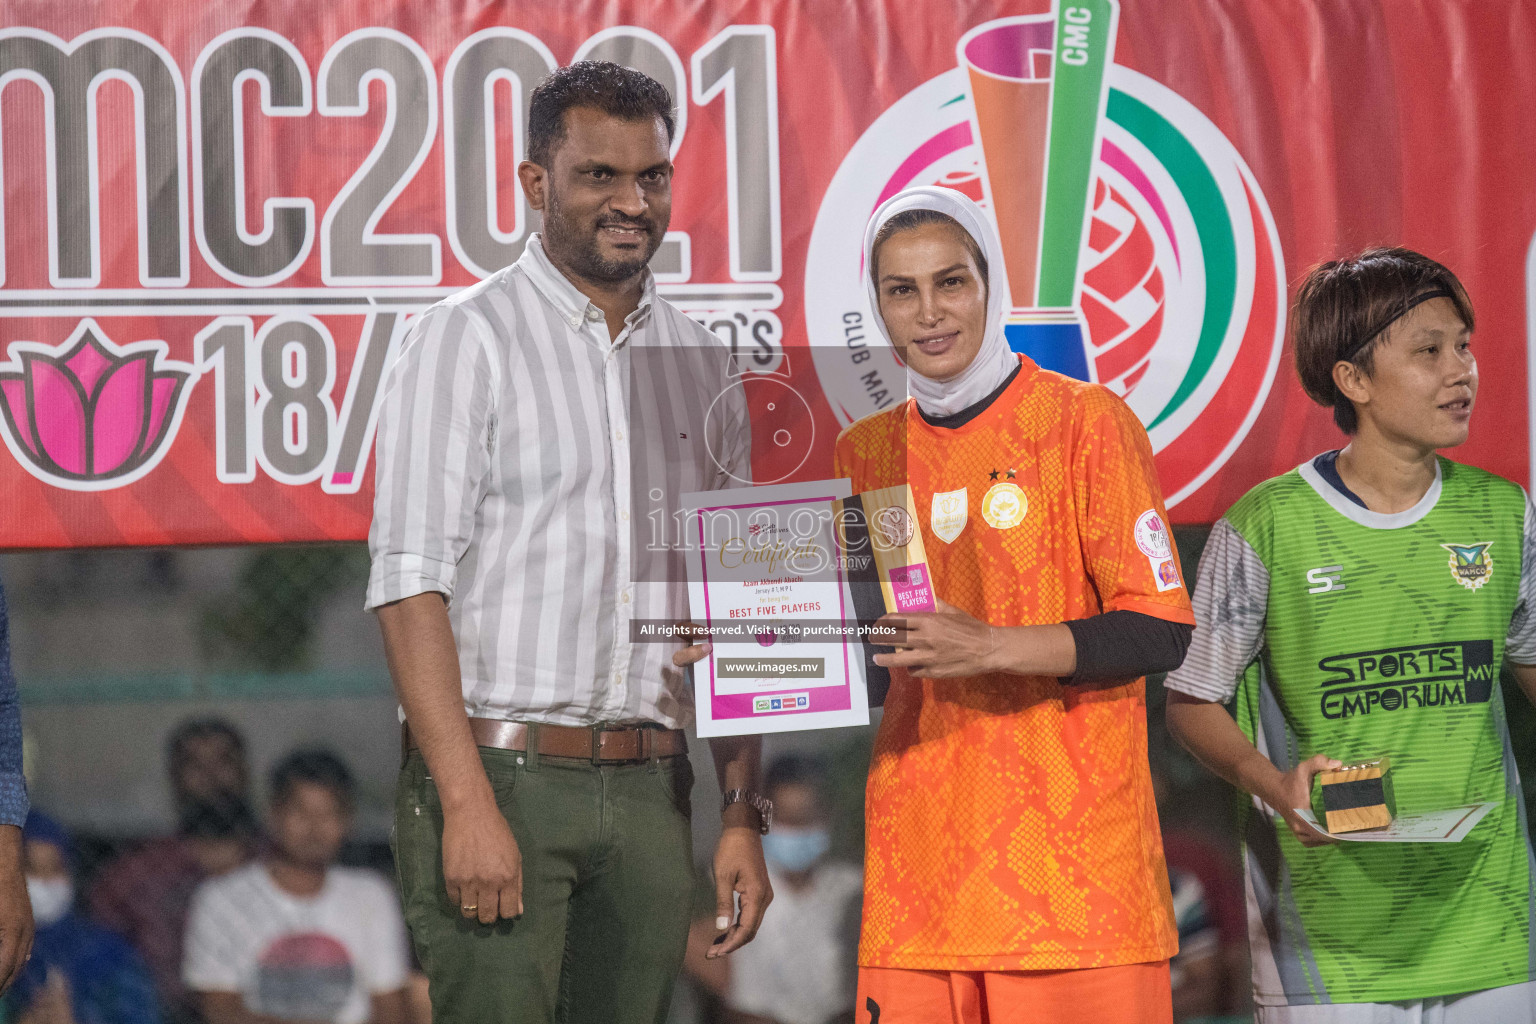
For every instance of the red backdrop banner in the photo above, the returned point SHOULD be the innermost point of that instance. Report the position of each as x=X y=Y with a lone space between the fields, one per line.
x=218 y=221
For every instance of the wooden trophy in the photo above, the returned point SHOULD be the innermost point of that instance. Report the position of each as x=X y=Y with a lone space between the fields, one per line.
x=887 y=567
x=1357 y=796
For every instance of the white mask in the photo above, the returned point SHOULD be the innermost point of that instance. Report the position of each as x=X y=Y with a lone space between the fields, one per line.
x=51 y=898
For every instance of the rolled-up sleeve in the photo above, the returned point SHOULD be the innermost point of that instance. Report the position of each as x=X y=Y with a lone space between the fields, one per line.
x=13 y=785
x=436 y=434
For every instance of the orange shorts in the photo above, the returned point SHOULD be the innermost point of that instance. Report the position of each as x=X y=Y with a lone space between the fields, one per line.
x=1127 y=994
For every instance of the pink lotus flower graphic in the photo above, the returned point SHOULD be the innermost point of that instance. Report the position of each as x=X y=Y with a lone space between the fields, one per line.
x=90 y=414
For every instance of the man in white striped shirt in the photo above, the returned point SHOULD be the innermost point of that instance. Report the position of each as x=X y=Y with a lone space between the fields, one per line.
x=547 y=874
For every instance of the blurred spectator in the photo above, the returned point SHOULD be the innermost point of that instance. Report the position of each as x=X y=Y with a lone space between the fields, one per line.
x=80 y=973
x=293 y=937
x=1195 y=970
x=145 y=894
x=15 y=913
x=1209 y=973
x=801 y=967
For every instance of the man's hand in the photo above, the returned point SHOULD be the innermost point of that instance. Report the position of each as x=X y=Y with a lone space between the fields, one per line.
x=15 y=908
x=482 y=865
x=942 y=644
x=1294 y=789
x=739 y=870
x=693 y=652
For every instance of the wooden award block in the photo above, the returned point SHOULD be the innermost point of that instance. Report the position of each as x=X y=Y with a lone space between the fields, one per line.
x=887 y=566
x=1357 y=796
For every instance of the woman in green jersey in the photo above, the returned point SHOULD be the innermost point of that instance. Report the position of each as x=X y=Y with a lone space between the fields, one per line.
x=1360 y=606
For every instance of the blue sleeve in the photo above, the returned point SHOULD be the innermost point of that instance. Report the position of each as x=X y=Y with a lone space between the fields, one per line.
x=13 y=786
x=123 y=992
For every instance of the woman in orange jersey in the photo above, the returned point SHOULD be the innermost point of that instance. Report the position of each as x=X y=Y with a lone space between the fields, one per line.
x=1014 y=868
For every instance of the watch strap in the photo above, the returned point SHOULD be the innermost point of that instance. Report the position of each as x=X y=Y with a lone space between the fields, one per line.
x=756 y=801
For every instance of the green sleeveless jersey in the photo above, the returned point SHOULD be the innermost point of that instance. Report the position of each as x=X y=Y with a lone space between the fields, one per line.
x=1357 y=635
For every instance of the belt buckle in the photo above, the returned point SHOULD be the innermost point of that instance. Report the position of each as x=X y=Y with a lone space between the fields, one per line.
x=598 y=757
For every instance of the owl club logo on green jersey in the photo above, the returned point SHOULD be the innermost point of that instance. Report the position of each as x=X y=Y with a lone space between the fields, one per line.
x=1138 y=250
x=1470 y=564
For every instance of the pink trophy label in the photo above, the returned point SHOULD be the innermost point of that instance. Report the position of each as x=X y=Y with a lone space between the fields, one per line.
x=910 y=585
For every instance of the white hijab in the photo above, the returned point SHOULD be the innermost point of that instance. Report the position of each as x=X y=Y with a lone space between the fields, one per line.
x=994 y=360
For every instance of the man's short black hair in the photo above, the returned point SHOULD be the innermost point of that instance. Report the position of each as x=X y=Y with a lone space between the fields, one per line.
x=197 y=729
x=603 y=85
x=318 y=768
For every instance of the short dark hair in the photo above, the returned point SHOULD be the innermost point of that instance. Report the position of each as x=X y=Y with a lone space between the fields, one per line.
x=198 y=729
x=603 y=85
x=796 y=770
x=906 y=220
x=1344 y=308
x=318 y=768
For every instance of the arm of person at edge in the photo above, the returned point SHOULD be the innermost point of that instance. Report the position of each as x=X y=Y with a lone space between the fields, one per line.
x=482 y=864
x=739 y=866
x=1204 y=727
x=15 y=907
x=1210 y=734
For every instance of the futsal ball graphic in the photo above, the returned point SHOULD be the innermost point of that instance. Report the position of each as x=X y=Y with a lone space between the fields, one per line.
x=1122 y=292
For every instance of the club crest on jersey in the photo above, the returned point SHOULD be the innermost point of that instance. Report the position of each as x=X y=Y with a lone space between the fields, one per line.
x=1004 y=505
x=1470 y=564
x=951 y=509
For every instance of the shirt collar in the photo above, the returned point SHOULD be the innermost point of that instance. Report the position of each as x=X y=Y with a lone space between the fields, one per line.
x=567 y=299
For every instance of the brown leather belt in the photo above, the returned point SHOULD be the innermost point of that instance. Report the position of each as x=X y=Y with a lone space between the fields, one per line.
x=598 y=744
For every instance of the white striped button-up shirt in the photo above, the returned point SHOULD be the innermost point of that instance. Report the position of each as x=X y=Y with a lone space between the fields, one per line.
x=508 y=480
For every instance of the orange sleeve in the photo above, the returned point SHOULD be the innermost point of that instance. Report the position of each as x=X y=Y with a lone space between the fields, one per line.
x=845 y=456
x=1127 y=541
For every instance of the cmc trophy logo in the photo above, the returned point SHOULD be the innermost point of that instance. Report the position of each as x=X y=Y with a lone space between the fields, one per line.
x=1140 y=252
x=89 y=415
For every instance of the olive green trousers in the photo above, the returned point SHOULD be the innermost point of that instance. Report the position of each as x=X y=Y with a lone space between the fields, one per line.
x=607 y=887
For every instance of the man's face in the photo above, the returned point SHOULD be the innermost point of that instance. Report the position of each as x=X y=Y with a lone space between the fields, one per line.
x=606 y=196
x=1423 y=378
x=309 y=825
x=209 y=768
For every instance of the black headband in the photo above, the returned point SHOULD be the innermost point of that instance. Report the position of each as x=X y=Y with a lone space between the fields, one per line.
x=1440 y=292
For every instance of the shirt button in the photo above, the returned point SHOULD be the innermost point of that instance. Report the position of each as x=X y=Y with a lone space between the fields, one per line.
x=625 y=597
x=618 y=435
x=624 y=515
x=594 y=314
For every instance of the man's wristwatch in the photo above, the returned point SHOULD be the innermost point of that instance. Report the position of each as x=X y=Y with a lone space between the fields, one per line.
x=762 y=804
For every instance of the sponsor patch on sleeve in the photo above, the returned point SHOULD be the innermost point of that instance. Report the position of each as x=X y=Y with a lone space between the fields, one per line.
x=1154 y=541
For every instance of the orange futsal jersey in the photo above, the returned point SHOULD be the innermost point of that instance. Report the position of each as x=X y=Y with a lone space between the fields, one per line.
x=1009 y=819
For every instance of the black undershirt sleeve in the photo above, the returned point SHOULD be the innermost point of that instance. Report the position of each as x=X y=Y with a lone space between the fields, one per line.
x=1125 y=644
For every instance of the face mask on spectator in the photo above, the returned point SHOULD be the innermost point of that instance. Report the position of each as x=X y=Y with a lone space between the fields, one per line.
x=796 y=849
x=51 y=898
